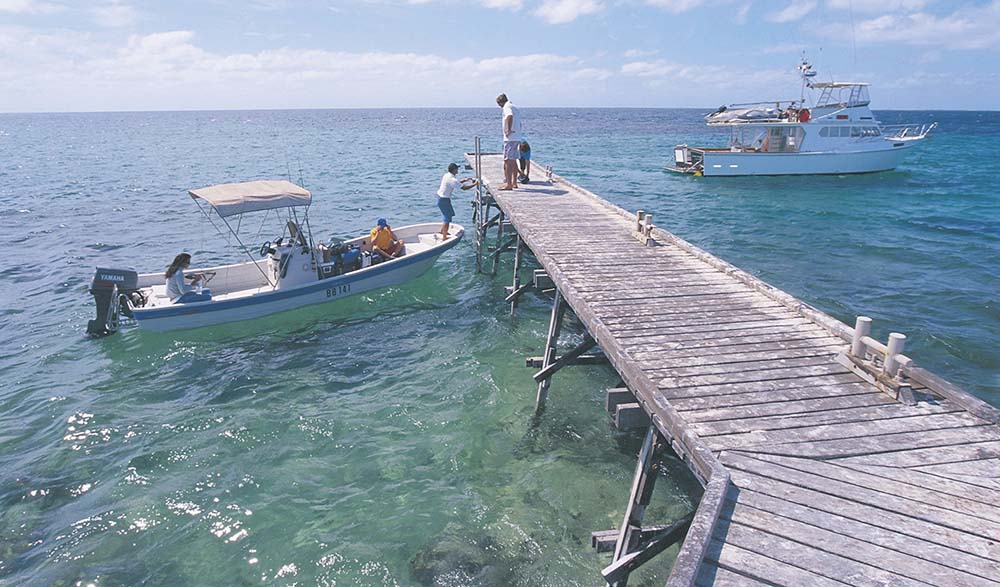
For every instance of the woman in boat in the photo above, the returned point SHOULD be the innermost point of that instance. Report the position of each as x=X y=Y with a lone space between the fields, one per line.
x=180 y=292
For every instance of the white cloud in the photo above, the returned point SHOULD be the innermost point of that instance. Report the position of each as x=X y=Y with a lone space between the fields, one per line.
x=883 y=6
x=504 y=4
x=794 y=11
x=783 y=48
x=563 y=11
x=114 y=14
x=741 y=14
x=169 y=70
x=637 y=53
x=964 y=29
x=675 y=6
x=28 y=7
x=662 y=72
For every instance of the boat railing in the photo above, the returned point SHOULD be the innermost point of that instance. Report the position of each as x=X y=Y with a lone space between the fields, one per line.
x=899 y=132
x=777 y=103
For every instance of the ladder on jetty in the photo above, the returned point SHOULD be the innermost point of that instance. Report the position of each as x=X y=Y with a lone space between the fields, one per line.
x=827 y=458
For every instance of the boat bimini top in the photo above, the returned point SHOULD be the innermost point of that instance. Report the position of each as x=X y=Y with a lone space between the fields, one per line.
x=230 y=199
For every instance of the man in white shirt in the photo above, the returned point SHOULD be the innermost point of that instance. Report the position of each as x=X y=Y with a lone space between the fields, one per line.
x=511 y=123
x=449 y=182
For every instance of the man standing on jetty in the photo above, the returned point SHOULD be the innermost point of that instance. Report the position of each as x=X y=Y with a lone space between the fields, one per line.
x=511 y=122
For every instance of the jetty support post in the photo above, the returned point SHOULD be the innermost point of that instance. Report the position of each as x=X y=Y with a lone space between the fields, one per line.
x=646 y=470
x=555 y=325
x=516 y=285
x=477 y=204
x=500 y=246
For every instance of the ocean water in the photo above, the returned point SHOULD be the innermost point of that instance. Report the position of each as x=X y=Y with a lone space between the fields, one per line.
x=389 y=439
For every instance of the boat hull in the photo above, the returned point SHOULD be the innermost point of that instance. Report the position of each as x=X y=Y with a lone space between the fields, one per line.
x=728 y=163
x=196 y=315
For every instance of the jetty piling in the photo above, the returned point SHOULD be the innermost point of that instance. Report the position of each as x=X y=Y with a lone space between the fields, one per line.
x=826 y=457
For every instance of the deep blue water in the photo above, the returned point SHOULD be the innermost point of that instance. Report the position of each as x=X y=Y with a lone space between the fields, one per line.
x=388 y=440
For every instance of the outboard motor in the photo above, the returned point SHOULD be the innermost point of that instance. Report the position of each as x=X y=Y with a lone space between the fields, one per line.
x=114 y=291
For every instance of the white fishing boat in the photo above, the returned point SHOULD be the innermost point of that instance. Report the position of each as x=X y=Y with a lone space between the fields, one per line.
x=289 y=272
x=837 y=134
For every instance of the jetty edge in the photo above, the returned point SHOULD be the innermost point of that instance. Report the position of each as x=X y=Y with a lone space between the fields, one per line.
x=826 y=457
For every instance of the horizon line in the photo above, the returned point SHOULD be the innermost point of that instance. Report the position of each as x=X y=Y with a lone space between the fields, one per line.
x=196 y=110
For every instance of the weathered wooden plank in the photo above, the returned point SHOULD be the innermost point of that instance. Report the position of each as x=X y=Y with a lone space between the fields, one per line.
x=739 y=355
x=848 y=558
x=883 y=432
x=639 y=284
x=981 y=473
x=970 y=468
x=694 y=311
x=662 y=342
x=813 y=386
x=672 y=292
x=686 y=323
x=934 y=455
x=715 y=328
x=820 y=405
x=934 y=514
x=903 y=441
x=756 y=565
x=887 y=443
x=889 y=520
x=916 y=494
x=637 y=307
x=845 y=413
x=728 y=316
x=942 y=484
x=694 y=385
x=779 y=341
x=767 y=368
x=943 y=555
x=616 y=273
x=712 y=575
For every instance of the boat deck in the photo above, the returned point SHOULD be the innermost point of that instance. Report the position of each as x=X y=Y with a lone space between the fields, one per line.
x=818 y=470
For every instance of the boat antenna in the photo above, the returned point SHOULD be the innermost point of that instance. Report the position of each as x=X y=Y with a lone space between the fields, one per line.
x=806 y=72
x=854 y=42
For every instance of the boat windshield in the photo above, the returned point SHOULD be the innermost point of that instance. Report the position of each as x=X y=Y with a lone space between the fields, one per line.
x=842 y=95
x=769 y=139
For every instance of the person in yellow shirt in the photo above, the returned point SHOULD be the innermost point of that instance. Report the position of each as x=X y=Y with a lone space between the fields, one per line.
x=384 y=241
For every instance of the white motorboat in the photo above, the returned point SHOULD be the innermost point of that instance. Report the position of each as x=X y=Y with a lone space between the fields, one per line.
x=838 y=134
x=289 y=272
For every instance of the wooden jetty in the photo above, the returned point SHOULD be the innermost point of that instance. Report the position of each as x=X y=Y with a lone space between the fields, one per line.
x=827 y=458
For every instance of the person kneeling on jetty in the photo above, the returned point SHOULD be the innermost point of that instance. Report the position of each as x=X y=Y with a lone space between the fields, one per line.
x=524 y=163
x=180 y=292
x=449 y=182
x=384 y=241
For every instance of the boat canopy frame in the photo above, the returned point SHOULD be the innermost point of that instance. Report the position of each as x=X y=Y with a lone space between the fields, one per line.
x=230 y=199
x=236 y=199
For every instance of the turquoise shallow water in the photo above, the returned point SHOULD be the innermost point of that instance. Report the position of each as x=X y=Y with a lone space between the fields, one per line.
x=388 y=440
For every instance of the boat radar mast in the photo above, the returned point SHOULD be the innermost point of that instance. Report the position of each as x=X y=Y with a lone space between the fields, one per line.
x=807 y=72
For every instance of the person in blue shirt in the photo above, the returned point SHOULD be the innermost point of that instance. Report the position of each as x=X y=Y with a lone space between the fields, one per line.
x=525 y=162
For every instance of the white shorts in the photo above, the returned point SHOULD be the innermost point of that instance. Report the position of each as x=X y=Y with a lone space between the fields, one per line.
x=511 y=150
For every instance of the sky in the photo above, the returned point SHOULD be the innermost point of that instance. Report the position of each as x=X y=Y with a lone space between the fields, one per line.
x=115 y=55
